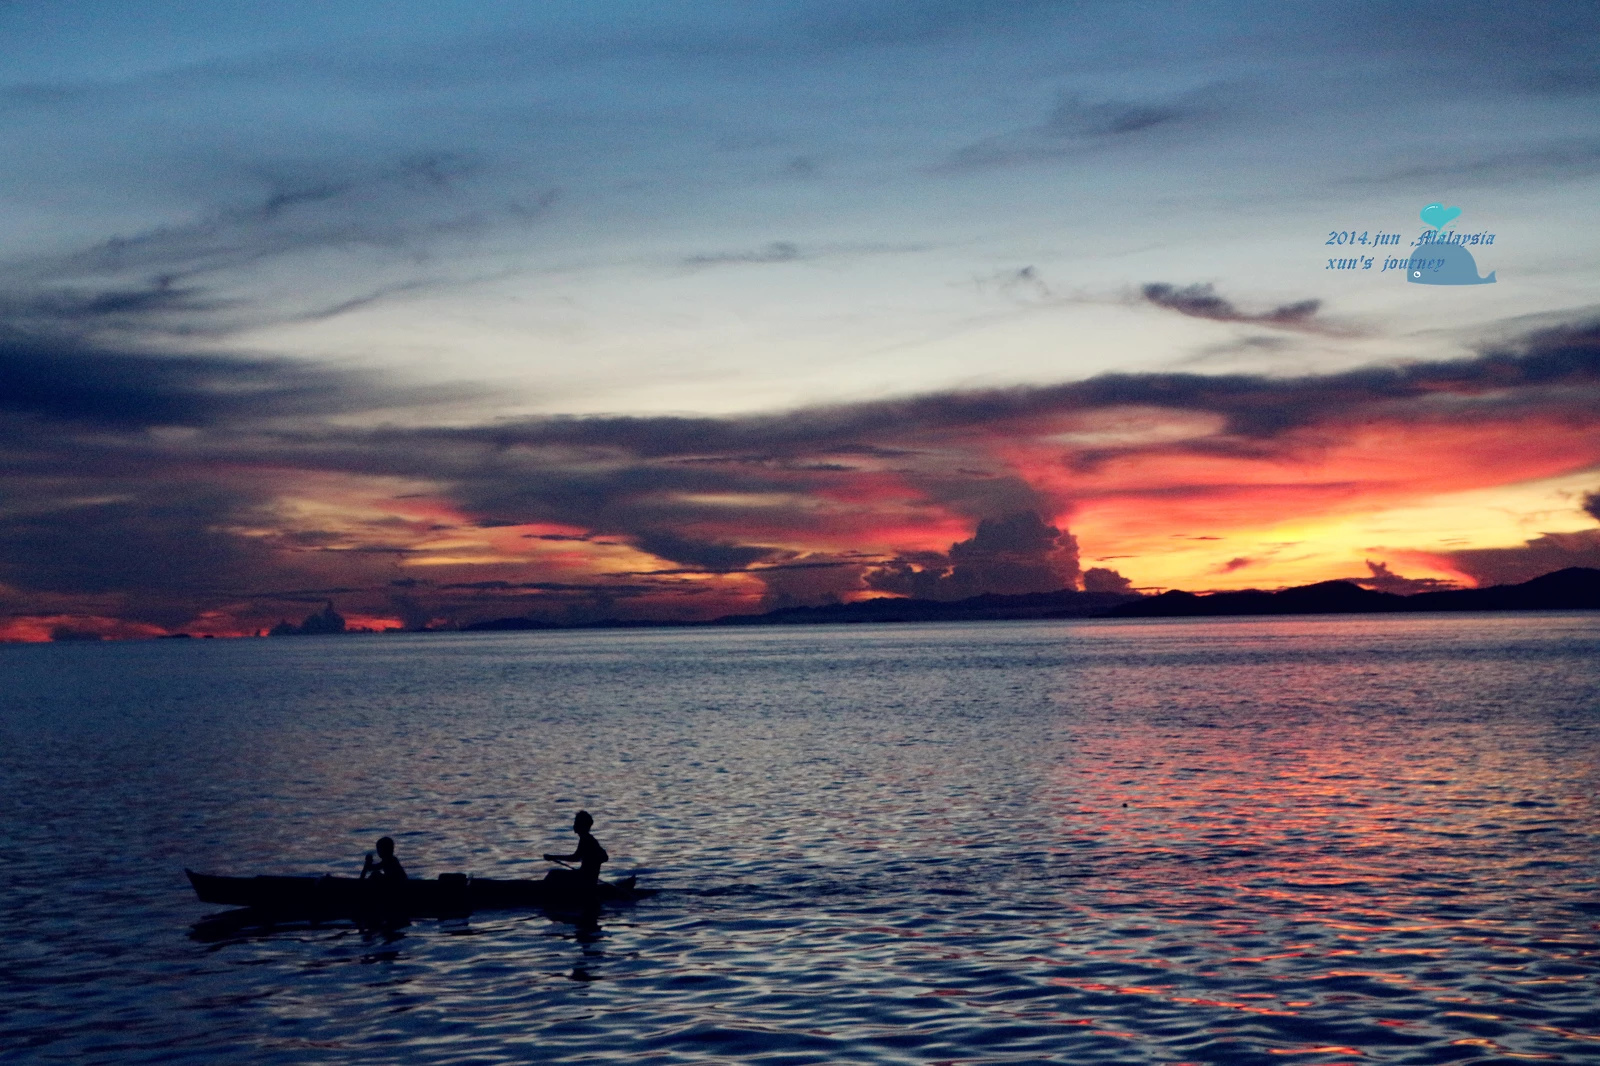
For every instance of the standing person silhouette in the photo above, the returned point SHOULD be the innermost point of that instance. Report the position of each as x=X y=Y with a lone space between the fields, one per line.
x=589 y=856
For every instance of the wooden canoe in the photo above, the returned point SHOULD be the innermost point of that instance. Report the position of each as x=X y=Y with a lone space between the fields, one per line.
x=447 y=895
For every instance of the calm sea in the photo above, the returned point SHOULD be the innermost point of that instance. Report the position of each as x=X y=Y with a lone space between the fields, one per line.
x=1286 y=841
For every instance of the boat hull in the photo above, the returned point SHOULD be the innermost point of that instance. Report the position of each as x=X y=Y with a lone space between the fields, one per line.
x=448 y=895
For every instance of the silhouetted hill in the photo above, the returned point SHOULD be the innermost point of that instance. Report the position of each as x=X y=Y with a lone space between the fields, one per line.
x=1063 y=603
x=516 y=625
x=1573 y=588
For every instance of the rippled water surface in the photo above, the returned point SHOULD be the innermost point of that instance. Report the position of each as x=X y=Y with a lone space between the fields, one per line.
x=1224 y=841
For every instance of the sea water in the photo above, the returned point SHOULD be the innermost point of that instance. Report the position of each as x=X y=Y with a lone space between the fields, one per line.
x=1292 y=840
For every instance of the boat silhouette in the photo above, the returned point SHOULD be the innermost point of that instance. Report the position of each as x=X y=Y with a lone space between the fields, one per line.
x=449 y=895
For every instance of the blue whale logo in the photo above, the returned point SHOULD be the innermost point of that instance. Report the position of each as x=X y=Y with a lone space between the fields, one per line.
x=1444 y=264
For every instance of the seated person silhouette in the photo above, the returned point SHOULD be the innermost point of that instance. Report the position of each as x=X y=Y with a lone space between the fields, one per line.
x=387 y=871
x=589 y=856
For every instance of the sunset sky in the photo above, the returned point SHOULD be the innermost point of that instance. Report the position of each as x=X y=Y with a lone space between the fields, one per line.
x=454 y=311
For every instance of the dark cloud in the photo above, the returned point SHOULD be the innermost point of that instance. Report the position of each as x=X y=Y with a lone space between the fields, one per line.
x=67 y=380
x=1556 y=370
x=713 y=555
x=1104 y=579
x=809 y=581
x=1201 y=301
x=548 y=586
x=581 y=538
x=1238 y=563
x=156 y=544
x=66 y=383
x=1382 y=579
x=89 y=308
x=1013 y=554
x=1541 y=555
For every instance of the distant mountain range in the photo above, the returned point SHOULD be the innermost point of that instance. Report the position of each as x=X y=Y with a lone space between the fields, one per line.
x=1576 y=588
x=1064 y=603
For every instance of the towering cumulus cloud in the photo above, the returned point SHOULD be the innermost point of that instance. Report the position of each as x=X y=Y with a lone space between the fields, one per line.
x=1011 y=554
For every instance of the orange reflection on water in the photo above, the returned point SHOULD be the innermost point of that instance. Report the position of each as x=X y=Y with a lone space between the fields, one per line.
x=1327 y=1049
x=1279 y=808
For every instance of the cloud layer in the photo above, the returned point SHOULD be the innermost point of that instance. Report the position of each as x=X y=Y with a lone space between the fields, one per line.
x=182 y=490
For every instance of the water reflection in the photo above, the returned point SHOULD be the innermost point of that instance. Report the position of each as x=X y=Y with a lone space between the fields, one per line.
x=587 y=935
x=1343 y=840
x=382 y=942
x=1342 y=847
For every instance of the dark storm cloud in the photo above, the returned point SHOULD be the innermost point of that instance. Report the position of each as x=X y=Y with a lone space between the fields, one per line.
x=1591 y=504
x=809 y=583
x=1201 y=301
x=1105 y=579
x=1013 y=554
